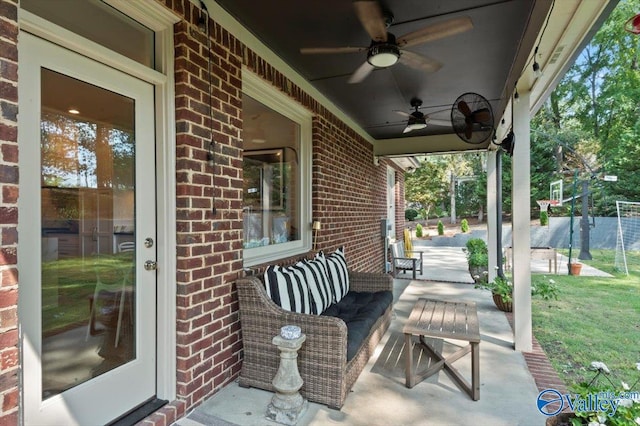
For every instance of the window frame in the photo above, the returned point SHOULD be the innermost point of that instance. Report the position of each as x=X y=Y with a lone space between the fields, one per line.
x=263 y=92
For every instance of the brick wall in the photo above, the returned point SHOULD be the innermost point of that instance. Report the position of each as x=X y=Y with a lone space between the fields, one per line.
x=349 y=197
x=8 y=212
x=209 y=243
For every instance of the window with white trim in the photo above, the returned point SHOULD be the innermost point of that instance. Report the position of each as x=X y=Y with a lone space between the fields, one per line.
x=276 y=172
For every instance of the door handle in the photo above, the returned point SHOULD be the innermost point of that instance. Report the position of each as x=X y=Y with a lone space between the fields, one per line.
x=150 y=265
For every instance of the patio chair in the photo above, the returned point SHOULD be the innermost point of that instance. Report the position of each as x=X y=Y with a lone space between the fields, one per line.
x=126 y=246
x=404 y=263
x=111 y=285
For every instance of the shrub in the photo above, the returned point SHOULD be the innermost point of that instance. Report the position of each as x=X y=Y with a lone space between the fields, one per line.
x=440 y=228
x=478 y=259
x=544 y=218
x=464 y=225
x=476 y=245
x=418 y=231
x=410 y=214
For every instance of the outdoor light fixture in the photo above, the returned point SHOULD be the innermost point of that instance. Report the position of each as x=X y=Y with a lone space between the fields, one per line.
x=536 y=69
x=385 y=54
x=316 y=226
x=202 y=19
x=536 y=66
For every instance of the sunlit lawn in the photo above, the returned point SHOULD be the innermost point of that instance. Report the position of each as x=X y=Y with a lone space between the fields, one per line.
x=67 y=285
x=594 y=319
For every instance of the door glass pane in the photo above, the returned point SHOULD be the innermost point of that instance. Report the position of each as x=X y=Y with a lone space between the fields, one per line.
x=88 y=252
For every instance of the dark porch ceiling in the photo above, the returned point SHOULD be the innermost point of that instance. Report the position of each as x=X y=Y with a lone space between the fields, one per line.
x=483 y=59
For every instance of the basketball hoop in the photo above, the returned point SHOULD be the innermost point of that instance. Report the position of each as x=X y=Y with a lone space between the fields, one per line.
x=544 y=204
x=633 y=25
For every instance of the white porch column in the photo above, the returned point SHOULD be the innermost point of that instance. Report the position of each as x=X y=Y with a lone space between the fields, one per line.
x=492 y=212
x=520 y=201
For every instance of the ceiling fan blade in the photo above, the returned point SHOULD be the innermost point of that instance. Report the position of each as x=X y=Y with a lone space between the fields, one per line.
x=361 y=73
x=419 y=62
x=436 y=31
x=438 y=122
x=468 y=131
x=330 y=50
x=403 y=113
x=481 y=115
x=464 y=108
x=370 y=15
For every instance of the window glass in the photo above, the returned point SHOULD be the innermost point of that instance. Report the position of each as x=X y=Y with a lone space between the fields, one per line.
x=271 y=192
x=99 y=23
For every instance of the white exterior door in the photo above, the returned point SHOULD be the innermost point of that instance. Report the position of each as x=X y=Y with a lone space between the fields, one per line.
x=87 y=228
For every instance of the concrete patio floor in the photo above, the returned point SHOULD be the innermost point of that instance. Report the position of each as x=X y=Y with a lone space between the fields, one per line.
x=507 y=392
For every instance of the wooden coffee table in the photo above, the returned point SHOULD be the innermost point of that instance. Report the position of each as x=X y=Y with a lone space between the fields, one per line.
x=444 y=320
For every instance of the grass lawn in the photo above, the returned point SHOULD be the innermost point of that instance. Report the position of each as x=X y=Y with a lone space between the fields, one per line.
x=594 y=319
x=67 y=285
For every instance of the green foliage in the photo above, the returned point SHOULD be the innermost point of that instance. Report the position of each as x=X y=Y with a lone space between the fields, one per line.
x=604 y=383
x=503 y=287
x=418 y=231
x=464 y=225
x=476 y=245
x=410 y=214
x=477 y=258
x=544 y=218
x=440 y=228
x=590 y=122
x=500 y=286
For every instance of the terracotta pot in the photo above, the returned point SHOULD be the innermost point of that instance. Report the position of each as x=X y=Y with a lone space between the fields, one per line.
x=575 y=268
x=500 y=304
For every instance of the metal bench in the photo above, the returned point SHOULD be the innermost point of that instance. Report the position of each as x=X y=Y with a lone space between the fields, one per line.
x=401 y=262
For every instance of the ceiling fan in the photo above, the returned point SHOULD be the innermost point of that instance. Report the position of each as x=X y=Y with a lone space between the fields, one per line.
x=386 y=49
x=417 y=120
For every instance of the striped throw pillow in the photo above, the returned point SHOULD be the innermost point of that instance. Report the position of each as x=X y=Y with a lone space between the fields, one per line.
x=287 y=287
x=336 y=264
x=319 y=287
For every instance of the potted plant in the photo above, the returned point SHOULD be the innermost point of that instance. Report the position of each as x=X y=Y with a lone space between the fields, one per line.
x=477 y=259
x=501 y=289
x=575 y=268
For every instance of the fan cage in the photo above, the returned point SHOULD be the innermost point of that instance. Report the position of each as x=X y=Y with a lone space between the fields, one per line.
x=481 y=132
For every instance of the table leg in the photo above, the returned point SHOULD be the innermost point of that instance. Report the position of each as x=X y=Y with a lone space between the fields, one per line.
x=408 y=359
x=475 y=371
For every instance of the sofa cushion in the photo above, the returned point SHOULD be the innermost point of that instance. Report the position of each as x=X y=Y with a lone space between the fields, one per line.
x=359 y=311
x=336 y=264
x=318 y=283
x=287 y=287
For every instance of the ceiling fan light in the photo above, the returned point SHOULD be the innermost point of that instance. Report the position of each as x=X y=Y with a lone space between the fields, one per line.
x=383 y=55
x=415 y=123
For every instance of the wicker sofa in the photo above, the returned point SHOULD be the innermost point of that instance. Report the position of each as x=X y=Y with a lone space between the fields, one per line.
x=326 y=371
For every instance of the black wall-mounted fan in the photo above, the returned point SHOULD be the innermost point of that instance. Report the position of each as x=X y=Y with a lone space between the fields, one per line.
x=472 y=118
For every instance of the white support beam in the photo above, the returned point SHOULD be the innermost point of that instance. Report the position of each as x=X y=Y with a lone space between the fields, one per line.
x=437 y=144
x=520 y=201
x=492 y=213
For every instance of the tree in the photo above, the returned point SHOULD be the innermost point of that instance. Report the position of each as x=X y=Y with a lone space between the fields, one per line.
x=593 y=114
x=427 y=185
